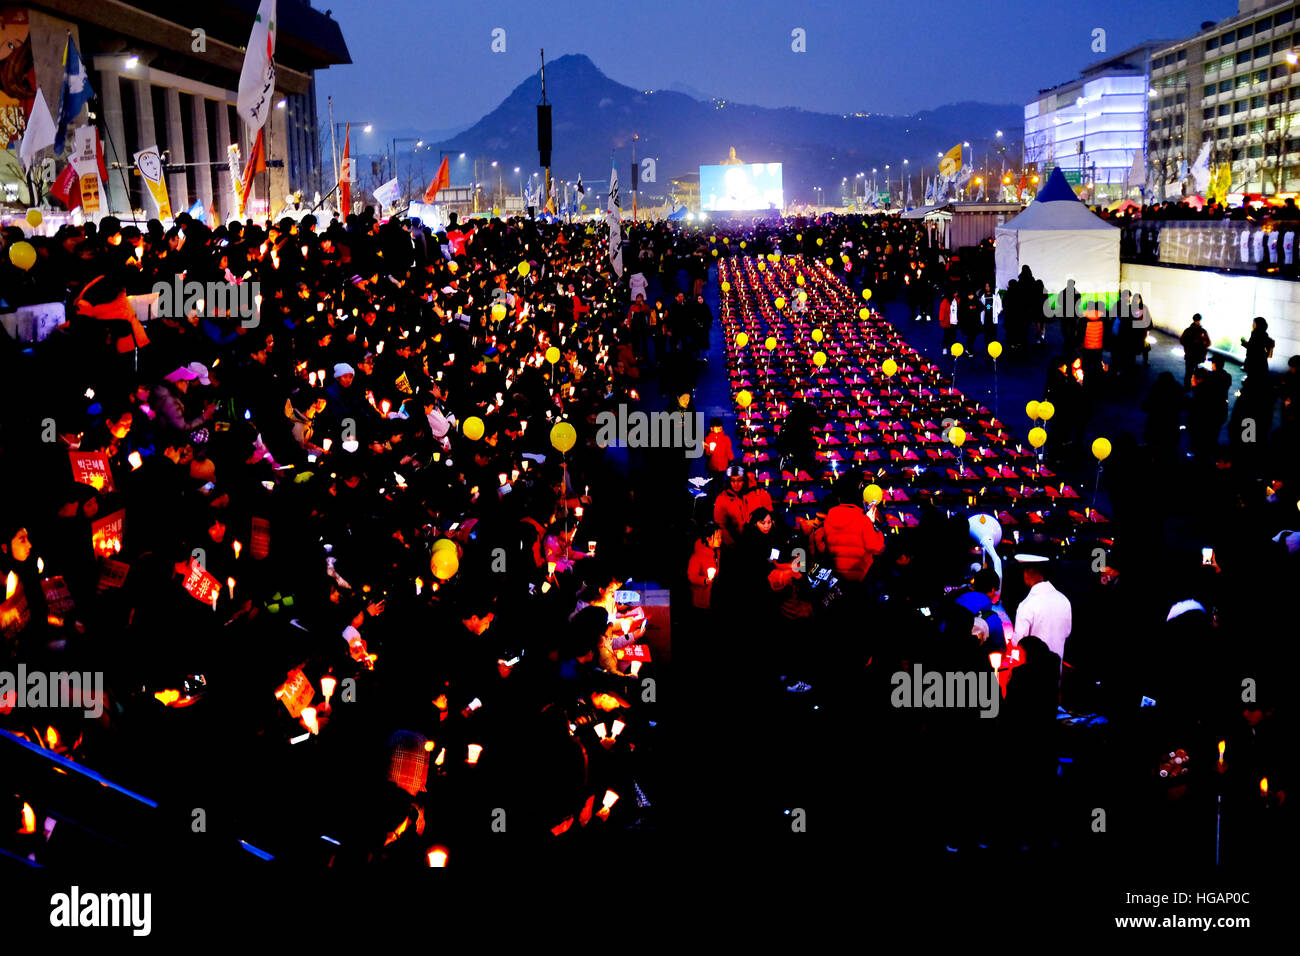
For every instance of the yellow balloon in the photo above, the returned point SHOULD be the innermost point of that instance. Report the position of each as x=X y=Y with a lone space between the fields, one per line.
x=444 y=544
x=889 y=367
x=770 y=343
x=498 y=311
x=713 y=238
x=726 y=241
x=957 y=349
x=803 y=296
x=34 y=217
x=829 y=260
x=1101 y=449
x=472 y=428
x=563 y=437
x=780 y=302
x=864 y=313
x=742 y=340
x=1032 y=411
x=523 y=269
x=726 y=287
x=552 y=355
x=866 y=294
x=819 y=359
x=1037 y=436
x=762 y=266
x=872 y=494
x=995 y=349
x=799 y=279
x=444 y=563
x=817 y=335
x=773 y=258
x=742 y=243
x=798 y=237
x=819 y=241
x=1046 y=410
x=957 y=435
x=23 y=255
x=715 y=252
x=744 y=398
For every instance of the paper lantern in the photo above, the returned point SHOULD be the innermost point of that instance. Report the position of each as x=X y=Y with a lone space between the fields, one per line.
x=22 y=255
x=742 y=340
x=552 y=355
x=957 y=349
x=819 y=241
x=498 y=311
x=444 y=544
x=523 y=269
x=819 y=359
x=1032 y=411
x=34 y=218
x=726 y=286
x=444 y=563
x=563 y=437
x=1046 y=410
x=780 y=302
x=873 y=494
x=472 y=428
x=770 y=342
x=817 y=335
x=864 y=313
x=889 y=367
x=1101 y=449
x=866 y=295
x=957 y=435
x=799 y=279
x=744 y=398
x=995 y=349
x=1037 y=436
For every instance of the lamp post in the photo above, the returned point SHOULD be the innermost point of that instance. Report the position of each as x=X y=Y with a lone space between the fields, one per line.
x=890 y=201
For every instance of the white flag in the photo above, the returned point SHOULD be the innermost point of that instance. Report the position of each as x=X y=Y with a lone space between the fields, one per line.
x=1137 y=175
x=388 y=193
x=257 y=78
x=39 y=132
x=615 y=216
x=1201 y=168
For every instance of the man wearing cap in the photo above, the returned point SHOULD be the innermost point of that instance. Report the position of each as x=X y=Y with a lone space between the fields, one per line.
x=1045 y=612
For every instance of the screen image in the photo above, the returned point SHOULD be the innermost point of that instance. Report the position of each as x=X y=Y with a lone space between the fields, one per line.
x=741 y=187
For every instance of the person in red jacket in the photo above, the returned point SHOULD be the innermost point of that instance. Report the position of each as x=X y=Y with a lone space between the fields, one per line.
x=948 y=319
x=104 y=298
x=734 y=506
x=848 y=536
x=703 y=566
x=718 y=445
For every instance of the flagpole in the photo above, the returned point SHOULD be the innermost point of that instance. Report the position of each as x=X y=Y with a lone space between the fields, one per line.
x=334 y=149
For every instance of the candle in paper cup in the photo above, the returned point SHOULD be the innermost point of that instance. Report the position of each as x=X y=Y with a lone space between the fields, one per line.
x=327 y=685
x=473 y=753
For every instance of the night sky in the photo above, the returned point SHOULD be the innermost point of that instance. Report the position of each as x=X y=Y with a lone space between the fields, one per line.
x=428 y=66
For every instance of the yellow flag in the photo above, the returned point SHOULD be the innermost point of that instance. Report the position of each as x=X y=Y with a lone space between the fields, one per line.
x=950 y=165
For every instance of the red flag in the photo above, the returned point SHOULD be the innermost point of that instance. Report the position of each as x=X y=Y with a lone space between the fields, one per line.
x=1021 y=187
x=213 y=219
x=345 y=176
x=256 y=164
x=440 y=181
x=67 y=188
x=99 y=155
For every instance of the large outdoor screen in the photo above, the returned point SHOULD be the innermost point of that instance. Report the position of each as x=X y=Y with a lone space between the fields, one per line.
x=743 y=186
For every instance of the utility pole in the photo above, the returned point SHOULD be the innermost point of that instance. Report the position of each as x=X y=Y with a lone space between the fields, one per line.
x=544 y=134
x=636 y=180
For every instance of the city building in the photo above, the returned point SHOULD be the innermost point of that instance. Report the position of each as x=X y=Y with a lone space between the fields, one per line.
x=167 y=75
x=1092 y=126
x=1232 y=84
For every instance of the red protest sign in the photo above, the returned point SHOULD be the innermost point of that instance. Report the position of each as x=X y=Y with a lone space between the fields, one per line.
x=634 y=652
x=261 y=545
x=58 y=599
x=106 y=533
x=202 y=585
x=296 y=692
x=91 y=468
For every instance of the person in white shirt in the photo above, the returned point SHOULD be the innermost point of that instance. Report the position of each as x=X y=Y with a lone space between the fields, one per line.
x=1044 y=613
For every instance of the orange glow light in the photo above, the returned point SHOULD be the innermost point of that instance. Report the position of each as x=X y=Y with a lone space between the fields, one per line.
x=438 y=856
x=309 y=719
x=474 y=751
x=29 y=819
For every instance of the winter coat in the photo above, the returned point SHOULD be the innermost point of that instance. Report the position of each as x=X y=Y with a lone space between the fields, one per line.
x=731 y=511
x=850 y=539
x=697 y=572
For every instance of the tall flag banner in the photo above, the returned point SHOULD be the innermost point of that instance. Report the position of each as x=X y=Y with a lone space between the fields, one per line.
x=615 y=216
x=550 y=205
x=441 y=181
x=196 y=211
x=75 y=94
x=256 y=164
x=257 y=78
x=909 y=192
x=1220 y=184
x=949 y=168
x=582 y=190
x=1137 y=174
x=39 y=132
x=346 y=175
x=150 y=165
x=1201 y=168
x=236 y=186
x=929 y=192
x=1020 y=187
x=388 y=193
x=67 y=188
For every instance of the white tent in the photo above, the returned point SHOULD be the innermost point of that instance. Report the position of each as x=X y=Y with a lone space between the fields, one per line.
x=1059 y=239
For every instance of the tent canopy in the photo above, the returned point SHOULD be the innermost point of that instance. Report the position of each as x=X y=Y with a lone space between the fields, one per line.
x=1059 y=239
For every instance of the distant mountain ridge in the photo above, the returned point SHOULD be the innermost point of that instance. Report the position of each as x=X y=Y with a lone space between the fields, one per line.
x=595 y=118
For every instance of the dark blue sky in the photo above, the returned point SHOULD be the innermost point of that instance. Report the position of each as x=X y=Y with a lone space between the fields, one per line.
x=427 y=64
